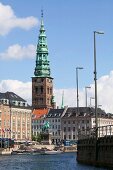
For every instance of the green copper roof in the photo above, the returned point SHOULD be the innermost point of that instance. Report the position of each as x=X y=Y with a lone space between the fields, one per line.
x=42 y=68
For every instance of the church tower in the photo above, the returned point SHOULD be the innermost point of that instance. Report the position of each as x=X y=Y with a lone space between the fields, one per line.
x=42 y=82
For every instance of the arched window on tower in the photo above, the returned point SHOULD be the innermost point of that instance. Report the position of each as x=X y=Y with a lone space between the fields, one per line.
x=41 y=89
x=48 y=101
x=48 y=90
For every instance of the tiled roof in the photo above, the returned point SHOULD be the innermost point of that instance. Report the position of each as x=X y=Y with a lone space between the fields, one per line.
x=38 y=113
x=11 y=96
x=72 y=111
x=55 y=113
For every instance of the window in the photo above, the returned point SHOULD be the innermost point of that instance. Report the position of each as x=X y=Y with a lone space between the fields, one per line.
x=59 y=132
x=58 y=126
x=83 y=128
x=73 y=136
x=69 y=136
x=64 y=122
x=69 y=122
x=64 y=136
x=48 y=101
x=41 y=89
x=74 y=122
x=73 y=129
x=50 y=90
x=69 y=129
x=64 y=129
x=23 y=123
x=18 y=136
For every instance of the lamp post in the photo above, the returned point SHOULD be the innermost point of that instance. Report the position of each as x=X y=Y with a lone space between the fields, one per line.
x=91 y=100
x=77 y=68
x=95 y=79
x=87 y=87
x=99 y=114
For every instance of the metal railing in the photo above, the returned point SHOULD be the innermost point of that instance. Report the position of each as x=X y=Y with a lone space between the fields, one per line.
x=102 y=131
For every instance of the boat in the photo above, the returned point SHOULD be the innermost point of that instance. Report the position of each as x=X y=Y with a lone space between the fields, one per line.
x=20 y=152
x=50 y=152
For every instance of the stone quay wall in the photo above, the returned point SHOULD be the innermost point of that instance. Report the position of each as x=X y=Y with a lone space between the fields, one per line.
x=96 y=152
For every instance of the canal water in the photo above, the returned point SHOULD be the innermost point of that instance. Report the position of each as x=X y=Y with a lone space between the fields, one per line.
x=65 y=161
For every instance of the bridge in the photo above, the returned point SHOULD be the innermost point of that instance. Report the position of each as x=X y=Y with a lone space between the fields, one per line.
x=95 y=146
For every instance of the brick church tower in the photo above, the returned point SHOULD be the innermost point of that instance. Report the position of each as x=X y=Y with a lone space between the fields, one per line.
x=42 y=82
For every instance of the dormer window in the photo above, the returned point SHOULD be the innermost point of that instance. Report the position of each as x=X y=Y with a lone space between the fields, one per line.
x=14 y=103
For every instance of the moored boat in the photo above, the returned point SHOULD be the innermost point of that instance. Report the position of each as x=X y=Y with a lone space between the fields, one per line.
x=51 y=152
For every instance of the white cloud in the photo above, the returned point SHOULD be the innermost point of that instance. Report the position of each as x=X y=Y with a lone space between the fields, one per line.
x=105 y=92
x=8 y=20
x=20 y=88
x=18 y=52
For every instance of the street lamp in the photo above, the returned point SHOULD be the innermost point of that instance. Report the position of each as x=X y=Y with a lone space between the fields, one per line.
x=99 y=116
x=91 y=100
x=95 y=76
x=77 y=68
x=95 y=79
x=87 y=87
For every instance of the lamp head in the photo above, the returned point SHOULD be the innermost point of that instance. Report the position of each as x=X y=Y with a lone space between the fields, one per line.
x=79 y=68
x=87 y=87
x=99 y=32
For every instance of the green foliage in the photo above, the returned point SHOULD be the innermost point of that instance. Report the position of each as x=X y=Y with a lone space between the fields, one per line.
x=37 y=138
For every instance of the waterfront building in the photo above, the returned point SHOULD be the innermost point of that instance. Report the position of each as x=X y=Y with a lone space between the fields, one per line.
x=38 y=120
x=15 y=117
x=85 y=120
x=5 y=120
x=54 y=117
x=42 y=82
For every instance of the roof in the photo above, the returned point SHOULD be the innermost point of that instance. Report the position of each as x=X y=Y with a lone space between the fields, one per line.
x=11 y=96
x=89 y=111
x=38 y=113
x=55 y=113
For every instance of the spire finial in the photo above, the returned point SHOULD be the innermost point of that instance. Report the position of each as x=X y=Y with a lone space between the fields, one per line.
x=62 y=105
x=41 y=13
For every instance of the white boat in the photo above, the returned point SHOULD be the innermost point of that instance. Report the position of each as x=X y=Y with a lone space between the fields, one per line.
x=51 y=152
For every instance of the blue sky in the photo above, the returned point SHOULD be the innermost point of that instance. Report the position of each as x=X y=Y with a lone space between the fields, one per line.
x=69 y=28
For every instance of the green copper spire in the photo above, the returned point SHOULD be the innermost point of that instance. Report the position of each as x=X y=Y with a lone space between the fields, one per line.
x=62 y=105
x=42 y=68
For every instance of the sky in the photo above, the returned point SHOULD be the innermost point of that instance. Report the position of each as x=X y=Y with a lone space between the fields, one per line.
x=70 y=27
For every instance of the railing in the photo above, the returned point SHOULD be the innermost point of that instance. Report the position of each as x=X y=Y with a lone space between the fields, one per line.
x=91 y=133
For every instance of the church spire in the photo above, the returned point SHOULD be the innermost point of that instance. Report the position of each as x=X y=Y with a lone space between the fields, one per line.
x=42 y=68
x=62 y=104
x=42 y=82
